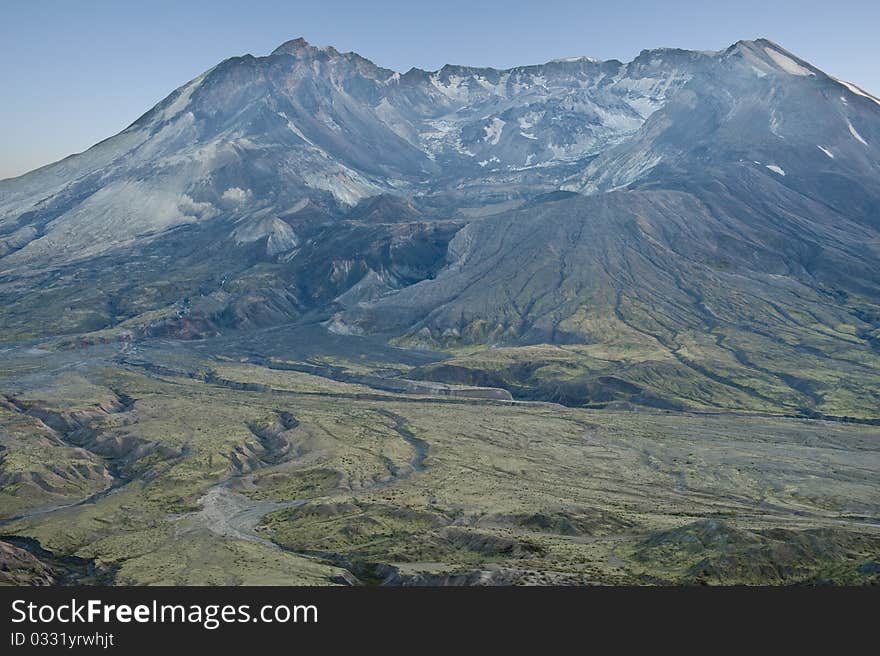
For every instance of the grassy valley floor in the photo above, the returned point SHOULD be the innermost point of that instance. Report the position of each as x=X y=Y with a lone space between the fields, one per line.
x=172 y=464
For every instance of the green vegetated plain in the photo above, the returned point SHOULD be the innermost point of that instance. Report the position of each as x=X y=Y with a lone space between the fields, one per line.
x=196 y=462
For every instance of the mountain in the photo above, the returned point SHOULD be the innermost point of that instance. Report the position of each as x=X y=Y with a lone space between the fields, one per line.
x=262 y=134
x=689 y=229
x=312 y=321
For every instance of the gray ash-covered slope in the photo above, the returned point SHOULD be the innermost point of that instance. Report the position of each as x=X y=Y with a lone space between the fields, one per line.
x=752 y=174
x=701 y=227
x=254 y=137
x=730 y=248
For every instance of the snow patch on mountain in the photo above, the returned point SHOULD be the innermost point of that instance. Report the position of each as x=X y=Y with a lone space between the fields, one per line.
x=494 y=130
x=574 y=60
x=453 y=88
x=856 y=90
x=786 y=63
x=236 y=195
x=826 y=151
x=181 y=102
x=855 y=133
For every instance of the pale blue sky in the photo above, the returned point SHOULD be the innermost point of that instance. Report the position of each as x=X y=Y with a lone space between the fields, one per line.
x=75 y=72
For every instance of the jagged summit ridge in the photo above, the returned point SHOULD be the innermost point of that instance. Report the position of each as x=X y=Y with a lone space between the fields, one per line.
x=300 y=46
x=261 y=134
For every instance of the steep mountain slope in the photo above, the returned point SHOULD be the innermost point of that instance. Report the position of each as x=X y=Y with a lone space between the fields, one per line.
x=736 y=264
x=759 y=105
x=702 y=296
x=260 y=135
x=688 y=229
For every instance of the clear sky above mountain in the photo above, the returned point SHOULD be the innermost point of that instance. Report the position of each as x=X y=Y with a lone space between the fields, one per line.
x=75 y=73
